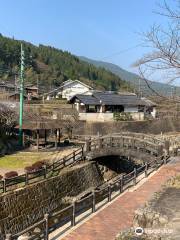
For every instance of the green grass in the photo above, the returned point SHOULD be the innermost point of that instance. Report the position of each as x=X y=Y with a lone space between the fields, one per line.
x=21 y=159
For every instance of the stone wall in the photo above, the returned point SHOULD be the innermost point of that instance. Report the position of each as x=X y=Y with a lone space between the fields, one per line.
x=21 y=208
x=152 y=126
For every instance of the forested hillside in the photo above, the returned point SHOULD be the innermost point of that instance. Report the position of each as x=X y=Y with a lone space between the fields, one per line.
x=133 y=79
x=52 y=66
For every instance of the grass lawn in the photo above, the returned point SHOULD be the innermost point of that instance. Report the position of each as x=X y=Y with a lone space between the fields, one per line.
x=22 y=159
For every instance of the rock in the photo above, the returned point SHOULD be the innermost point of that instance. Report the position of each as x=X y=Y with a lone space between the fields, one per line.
x=163 y=220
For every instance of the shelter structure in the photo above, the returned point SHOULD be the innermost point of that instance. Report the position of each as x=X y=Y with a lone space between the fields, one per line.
x=39 y=131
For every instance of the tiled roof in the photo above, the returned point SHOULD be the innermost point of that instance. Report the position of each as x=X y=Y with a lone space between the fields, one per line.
x=105 y=98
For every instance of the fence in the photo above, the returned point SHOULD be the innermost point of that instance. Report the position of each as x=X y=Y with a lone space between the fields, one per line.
x=76 y=212
x=45 y=172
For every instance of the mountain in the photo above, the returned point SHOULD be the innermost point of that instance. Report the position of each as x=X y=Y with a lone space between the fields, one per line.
x=51 y=66
x=133 y=79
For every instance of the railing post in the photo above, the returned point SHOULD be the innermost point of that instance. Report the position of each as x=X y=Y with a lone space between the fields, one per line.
x=160 y=150
x=156 y=161
x=4 y=185
x=100 y=143
x=46 y=217
x=93 y=202
x=64 y=162
x=45 y=171
x=8 y=237
x=165 y=160
x=146 y=169
x=167 y=147
x=121 y=183
x=26 y=180
x=73 y=214
x=135 y=175
x=88 y=147
x=109 y=192
x=74 y=156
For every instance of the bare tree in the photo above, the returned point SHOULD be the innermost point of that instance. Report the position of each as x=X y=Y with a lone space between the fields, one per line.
x=8 y=119
x=164 y=57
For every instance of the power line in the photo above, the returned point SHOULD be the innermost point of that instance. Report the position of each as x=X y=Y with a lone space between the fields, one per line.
x=122 y=51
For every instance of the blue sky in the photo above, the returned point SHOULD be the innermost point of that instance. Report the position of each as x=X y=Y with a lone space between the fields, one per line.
x=91 y=28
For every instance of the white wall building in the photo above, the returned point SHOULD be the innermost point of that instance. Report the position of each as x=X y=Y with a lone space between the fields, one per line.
x=70 y=88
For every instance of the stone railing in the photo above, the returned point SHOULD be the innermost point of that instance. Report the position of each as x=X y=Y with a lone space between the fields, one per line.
x=147 y=145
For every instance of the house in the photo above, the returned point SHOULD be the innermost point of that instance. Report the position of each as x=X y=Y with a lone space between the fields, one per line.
x=101 y=106
x=16 y=96
x=31 y=90
x=68 y=89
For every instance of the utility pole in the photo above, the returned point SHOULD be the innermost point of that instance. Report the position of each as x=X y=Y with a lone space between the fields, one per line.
x=139 y=87
x=21 y=103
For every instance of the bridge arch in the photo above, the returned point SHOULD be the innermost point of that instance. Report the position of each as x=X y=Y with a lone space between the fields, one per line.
x=126 y=144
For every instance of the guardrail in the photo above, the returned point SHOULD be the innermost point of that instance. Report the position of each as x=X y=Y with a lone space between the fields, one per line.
x=43 y=173
x=73 y=214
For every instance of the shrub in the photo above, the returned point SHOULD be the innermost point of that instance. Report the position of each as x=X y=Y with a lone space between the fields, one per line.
x=38 y=165
x=29 y=169
x=11 y=174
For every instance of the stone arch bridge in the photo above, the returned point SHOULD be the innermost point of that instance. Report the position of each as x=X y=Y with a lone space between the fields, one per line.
x=131 y=145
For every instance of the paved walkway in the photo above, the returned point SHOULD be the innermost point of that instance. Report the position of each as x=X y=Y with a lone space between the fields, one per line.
x=108 y=222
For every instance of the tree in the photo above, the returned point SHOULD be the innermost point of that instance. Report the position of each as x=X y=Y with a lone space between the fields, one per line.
x=164 y=41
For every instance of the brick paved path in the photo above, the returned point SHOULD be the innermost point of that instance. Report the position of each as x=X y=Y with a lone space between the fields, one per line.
x=118 y=216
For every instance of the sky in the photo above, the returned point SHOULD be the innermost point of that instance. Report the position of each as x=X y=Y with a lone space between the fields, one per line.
x=97 y=29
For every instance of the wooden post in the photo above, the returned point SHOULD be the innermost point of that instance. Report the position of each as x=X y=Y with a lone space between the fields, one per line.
x=146 y=169
x=100 y=143
x=93 y=202
x=165 y=160
x=4 y=185
x=64 y=161
x=156 y=162
x=46 y=217
x=135 y=175
x=55 y=138
x=8 y=237
x=45 y=171
x=109 y=192
x=45 y=136
x=167 y=147
x=88 y=147
x=121 y=184
x=74 y=214
x=74 y=156
x=37 y=139
x=26 y=180
x=160 y=150
x=59 y=136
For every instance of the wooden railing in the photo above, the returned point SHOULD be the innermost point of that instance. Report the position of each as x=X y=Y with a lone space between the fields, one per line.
x=45 y=172
x=80 y=209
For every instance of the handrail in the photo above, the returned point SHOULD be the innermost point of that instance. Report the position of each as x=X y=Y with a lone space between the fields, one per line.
x=42 y=172
x=123 y=184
